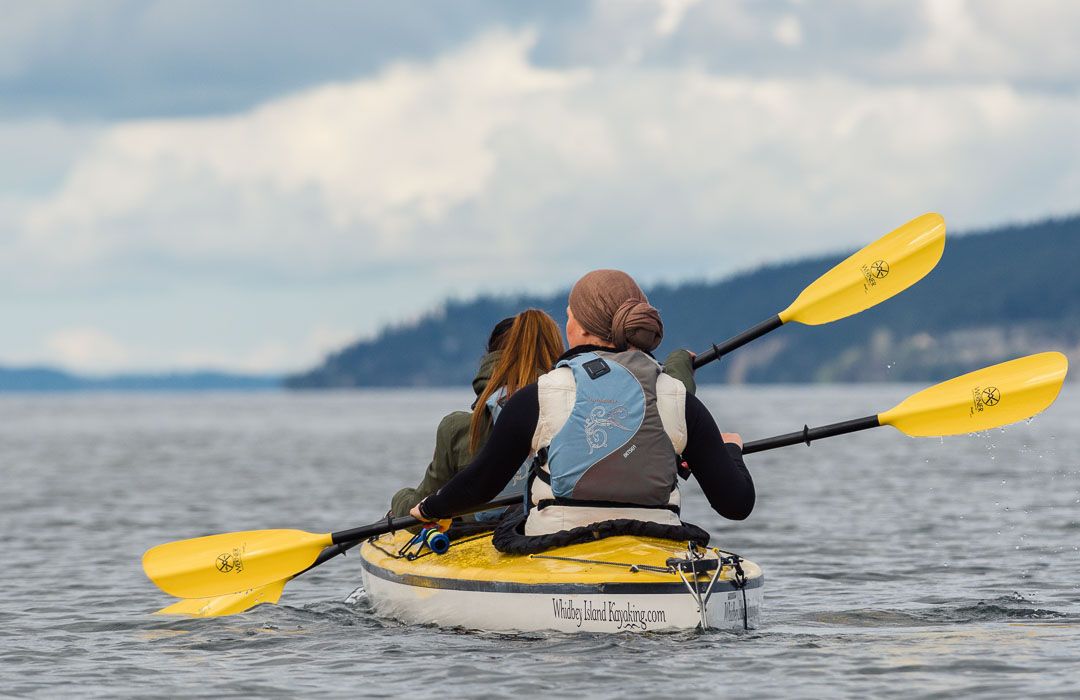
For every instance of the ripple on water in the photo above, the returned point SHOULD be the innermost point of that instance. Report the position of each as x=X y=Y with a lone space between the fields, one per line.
x=1014 y=607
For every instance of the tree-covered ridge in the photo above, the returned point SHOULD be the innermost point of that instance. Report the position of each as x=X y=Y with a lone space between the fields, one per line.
x=994 y=296
x=48 y=380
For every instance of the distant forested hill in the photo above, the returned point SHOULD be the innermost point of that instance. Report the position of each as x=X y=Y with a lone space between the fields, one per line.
x=994 y=296
x=50 y=380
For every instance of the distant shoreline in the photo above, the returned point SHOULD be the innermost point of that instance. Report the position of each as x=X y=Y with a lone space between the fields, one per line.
x=38 y=380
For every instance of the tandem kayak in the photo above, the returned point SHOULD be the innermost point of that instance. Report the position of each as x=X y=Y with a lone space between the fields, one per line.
x=616 y=584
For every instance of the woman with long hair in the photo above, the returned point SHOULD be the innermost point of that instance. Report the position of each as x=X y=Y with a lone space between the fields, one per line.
x=520 y=349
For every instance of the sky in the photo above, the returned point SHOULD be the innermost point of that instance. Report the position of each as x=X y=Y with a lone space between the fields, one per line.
x=247 y=185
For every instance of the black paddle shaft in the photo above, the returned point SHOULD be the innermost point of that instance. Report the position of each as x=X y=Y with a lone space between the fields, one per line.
x=808 y=434
x=389 y=524
x=738 y=341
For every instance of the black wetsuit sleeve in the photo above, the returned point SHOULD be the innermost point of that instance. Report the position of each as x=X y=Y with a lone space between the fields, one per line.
x=717 y=466
x=507 y=446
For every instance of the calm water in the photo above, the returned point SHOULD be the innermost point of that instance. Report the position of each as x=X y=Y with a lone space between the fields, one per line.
x=894 y=565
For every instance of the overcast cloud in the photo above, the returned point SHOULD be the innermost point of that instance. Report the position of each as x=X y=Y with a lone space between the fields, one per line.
x=202 y=184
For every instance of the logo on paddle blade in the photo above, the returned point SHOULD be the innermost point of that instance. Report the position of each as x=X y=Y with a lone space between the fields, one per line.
x=983 y=398
x=230 y=561
x=873 y=272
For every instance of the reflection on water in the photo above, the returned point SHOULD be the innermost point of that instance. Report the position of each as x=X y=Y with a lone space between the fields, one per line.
x=893 y=565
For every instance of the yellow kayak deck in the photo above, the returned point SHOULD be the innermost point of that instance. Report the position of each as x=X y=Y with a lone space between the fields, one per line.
x=472 y=563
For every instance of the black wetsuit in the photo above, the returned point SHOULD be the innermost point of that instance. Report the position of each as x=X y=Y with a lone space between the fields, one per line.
x=718 y=467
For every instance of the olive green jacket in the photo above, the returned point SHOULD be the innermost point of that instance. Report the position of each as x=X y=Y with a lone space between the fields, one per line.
x=452 y=453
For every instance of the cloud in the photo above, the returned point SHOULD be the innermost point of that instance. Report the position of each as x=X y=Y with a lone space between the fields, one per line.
x=1028 y=44
x=345 y=172
x=482 y=165
x=265 y=356
x=125 y=59
x=1032 y=43
x=98 y=351
x=788 y=31
x=520 y=159
x=671 y=15
x=87 y=348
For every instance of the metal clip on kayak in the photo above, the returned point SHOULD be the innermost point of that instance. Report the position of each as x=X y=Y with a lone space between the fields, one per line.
x=696 y=564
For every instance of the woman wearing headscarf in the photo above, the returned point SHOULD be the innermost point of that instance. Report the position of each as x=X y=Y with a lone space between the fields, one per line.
x=608 y=430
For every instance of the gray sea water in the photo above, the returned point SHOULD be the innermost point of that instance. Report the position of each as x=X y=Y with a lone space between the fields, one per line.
x=894 y=566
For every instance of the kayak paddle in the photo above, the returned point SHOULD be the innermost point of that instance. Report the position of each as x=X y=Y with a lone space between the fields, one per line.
x=239 y=562
x=987 y=398
x=879 y=271
x=233 y=603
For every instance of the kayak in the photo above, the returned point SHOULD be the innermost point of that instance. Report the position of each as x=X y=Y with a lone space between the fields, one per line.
x=617 y=584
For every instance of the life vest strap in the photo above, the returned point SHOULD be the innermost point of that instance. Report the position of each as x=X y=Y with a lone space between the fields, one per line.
x=574 y=502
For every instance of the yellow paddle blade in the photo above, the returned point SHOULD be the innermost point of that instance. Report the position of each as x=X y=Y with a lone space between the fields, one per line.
x=988 y=398
x=881 y=270
x=205 y=567
x=230 y=604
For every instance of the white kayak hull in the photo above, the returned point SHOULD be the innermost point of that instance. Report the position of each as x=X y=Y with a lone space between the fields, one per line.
x=433 y=591
x=560 y=612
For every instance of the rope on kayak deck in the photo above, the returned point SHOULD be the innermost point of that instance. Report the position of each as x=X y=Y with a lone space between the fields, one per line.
x=634 y=568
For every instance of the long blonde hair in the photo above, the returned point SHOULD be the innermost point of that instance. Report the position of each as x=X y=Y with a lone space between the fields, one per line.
x=529 y=349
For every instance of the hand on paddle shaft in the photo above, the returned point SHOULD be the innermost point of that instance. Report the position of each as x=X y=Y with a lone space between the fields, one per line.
x=879 y=271
x=417 y=512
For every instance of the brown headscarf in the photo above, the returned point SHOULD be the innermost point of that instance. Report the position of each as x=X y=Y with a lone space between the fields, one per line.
x=610 y=305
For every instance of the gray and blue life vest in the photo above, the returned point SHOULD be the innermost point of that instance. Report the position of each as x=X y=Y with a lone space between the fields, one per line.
x=612 y=456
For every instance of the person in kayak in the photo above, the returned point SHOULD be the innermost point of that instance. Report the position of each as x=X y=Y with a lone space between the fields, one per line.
x=519 y=350
x=606 y=427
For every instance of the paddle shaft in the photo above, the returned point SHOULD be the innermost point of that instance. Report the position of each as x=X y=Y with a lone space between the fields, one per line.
x=718 y=350
x=808 y=434
x=904 y=256
x=331 y=552
x=347 y=539
x=391 y=524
